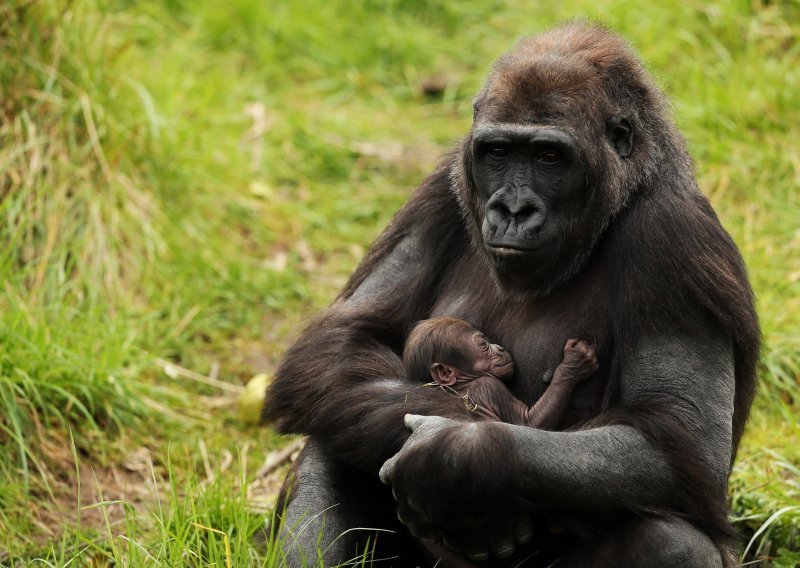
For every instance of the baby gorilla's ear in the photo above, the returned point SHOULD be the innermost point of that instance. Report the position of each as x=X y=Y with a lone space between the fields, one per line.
x=443 y=374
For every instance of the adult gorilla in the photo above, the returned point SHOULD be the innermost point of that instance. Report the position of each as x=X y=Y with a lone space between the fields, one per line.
x=570 y=210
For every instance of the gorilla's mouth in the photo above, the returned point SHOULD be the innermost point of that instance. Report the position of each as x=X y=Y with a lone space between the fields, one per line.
x=504 y=371
x=510 y=250
x=507 y=239
x=513 y=245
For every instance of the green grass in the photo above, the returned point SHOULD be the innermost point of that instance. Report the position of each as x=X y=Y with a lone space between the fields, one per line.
x=190 y=182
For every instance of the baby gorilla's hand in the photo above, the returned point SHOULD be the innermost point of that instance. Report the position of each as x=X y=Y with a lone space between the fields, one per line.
x=580 y=359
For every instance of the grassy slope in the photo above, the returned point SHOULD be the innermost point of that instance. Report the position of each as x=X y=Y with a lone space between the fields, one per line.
x=190 y=183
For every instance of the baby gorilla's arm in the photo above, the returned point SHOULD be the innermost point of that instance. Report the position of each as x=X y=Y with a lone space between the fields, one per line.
x=580 y=362
x=494 y=401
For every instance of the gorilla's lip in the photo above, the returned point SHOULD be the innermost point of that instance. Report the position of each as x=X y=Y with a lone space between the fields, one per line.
x=506 y=249
x=506 y=368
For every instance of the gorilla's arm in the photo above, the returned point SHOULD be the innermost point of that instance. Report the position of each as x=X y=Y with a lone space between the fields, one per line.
x=688 y=386
x=675 y=456
x=341 y=380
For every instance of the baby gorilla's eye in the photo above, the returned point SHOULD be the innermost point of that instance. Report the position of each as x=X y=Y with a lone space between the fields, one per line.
x=480 y=341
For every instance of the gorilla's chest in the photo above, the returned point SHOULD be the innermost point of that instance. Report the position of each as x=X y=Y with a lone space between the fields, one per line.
x=535 y=332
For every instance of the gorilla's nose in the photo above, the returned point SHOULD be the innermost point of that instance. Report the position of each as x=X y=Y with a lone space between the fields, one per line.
x=523 y=209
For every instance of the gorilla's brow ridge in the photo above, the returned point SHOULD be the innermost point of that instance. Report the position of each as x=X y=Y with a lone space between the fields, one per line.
x=516 y=128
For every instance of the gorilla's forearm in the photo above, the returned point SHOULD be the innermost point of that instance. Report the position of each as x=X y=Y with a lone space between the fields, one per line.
x=603 y=469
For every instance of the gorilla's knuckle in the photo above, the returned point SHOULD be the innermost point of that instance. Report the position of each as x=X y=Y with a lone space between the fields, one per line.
x=478 y=554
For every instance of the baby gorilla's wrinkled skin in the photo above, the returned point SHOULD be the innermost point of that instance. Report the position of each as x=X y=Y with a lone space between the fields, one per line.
x=488 y=359
x=458 y=356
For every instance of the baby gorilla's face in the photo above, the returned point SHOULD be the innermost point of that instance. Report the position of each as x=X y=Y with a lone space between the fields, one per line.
x=489 y=358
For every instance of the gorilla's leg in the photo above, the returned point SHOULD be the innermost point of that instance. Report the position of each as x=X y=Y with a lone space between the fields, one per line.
x=333 y=514
x=652 y=542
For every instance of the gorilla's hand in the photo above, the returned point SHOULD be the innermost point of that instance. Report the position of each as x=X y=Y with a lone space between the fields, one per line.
x=459 y=482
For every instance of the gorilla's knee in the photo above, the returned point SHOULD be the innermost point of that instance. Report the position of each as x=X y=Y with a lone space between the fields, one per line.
x=651 y=542
x=672 y=543
x=331 y=513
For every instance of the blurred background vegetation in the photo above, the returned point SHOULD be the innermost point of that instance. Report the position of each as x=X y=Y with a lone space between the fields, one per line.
x=184 y=183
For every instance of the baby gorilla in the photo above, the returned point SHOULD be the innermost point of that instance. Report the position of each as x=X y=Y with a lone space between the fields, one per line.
x=458 y=356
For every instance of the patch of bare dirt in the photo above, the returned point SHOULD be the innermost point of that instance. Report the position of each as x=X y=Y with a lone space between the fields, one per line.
x=95 y=496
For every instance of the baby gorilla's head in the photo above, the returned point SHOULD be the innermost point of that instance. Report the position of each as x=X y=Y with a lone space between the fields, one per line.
x=449 y=350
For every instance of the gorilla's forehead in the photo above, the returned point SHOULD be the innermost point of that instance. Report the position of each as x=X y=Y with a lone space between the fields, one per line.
x=531 y=74
x=541 y=89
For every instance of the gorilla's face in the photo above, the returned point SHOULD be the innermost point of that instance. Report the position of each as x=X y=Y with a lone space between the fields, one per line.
x=539 y=169
x=532 y=185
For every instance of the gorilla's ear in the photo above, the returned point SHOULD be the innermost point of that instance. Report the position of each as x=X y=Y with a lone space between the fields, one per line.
x=443 y=374
x=477 y=102
x=620 y=134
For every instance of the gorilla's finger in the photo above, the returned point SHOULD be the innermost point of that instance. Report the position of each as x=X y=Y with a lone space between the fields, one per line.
x=415 y=506
x=421 y=529
x=503 y=548
x=450 y=544
x=523 y=531
x=477 y=553
x=414 y=523
x=413 y=421
x=387 y=470
x=424 y=531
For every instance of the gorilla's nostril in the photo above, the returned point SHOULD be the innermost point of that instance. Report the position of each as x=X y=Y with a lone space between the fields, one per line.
x=523 y=213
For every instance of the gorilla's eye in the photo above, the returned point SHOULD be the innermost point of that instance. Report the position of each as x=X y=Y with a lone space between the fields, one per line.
x=498 y=151
x=549 y=157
